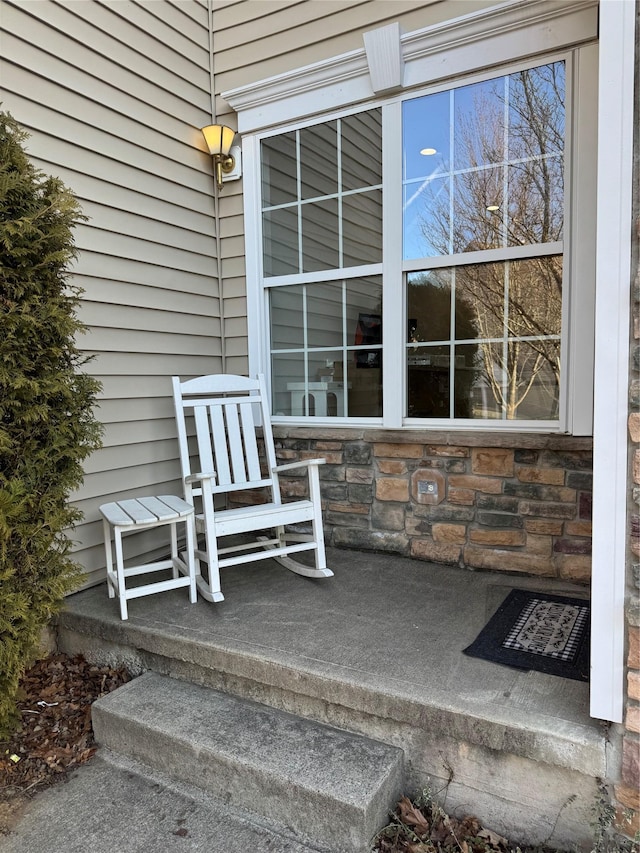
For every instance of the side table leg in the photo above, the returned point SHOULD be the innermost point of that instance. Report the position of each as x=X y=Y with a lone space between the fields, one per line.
x=109 y=557
x=174 y=549
x=190 y=527
x=122 y=590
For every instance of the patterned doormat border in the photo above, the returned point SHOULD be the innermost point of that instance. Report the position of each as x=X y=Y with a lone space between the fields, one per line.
x=540 y=631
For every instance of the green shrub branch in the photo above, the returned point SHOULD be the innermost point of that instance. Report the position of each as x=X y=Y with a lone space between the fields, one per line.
x=47 y=425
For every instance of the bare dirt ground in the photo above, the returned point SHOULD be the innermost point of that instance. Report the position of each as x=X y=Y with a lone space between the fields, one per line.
x=55 y=734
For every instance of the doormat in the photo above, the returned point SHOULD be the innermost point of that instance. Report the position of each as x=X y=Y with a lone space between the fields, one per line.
x=533 y=630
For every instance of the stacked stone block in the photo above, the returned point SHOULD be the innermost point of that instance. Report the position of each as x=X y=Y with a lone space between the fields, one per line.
x=448 y=498
x=628 y=791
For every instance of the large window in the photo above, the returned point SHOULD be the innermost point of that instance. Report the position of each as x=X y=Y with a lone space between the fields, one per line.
x=448 y=267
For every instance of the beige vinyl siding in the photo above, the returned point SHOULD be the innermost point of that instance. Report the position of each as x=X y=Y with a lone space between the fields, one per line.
x=113 y=95
x=257 y=39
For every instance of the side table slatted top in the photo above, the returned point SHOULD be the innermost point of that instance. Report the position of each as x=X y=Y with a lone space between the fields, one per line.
x=145 y=513
x=149 y=510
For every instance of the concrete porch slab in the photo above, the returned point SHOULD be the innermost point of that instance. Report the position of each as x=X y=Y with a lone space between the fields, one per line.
x=378 y=650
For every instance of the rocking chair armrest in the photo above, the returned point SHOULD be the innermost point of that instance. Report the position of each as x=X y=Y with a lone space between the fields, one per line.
x=196 y=478
x=303 y=463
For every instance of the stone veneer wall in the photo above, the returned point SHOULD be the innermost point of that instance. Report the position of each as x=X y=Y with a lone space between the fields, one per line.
x=513 y=503
x=627 y=792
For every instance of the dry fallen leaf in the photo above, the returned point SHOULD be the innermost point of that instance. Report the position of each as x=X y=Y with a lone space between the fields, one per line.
x=412 y=816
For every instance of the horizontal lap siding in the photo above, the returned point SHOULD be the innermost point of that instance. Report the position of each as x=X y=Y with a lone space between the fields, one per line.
x=255 y=40
x=113 y=95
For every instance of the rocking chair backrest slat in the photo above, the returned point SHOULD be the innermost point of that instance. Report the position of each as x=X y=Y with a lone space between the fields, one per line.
x=202 y=437
x=218 y=432
x=252 y=457
x=234 y=437
x=224 y=384
x=217 y=401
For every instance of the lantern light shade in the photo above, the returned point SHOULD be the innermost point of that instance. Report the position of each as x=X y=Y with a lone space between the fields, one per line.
x=219 y=139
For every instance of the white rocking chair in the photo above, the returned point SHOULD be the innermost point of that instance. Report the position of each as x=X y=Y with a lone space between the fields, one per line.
x=224 y=458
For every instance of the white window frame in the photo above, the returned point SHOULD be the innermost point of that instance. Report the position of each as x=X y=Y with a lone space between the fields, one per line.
x=532 y=250
x=520 y=37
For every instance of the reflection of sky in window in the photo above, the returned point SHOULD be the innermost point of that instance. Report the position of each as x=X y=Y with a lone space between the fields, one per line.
x=425 y=124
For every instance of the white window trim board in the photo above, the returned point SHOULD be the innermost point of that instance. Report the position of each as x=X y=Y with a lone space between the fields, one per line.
x=581 y=258
x=393 y=309
x=257 y=314
x=502 y=33
x=613 y=280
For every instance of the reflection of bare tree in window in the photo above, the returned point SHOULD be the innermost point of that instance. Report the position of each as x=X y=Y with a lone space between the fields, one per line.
x=510 y=193
x=514 y=371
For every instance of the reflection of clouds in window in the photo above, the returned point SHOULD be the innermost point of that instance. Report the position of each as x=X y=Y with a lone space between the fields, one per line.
x=427 y=225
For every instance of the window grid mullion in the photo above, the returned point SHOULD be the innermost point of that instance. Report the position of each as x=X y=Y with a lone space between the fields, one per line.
x=505 y=343
x=505 y=168
x=394 y=298
x=299 y=200
x=452 y=340
x=305 y=348
x=451 y=165
x=505 y=240
x=340 y=220
x=345 y=377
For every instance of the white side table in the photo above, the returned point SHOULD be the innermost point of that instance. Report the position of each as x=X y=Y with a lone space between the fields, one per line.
x=138 y=514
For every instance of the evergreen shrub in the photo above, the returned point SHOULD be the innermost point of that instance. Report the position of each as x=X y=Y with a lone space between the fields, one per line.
x=47 y=425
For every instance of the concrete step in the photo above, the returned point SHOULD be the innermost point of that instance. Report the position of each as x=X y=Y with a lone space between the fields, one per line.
x=322 y=785
x=115 y=805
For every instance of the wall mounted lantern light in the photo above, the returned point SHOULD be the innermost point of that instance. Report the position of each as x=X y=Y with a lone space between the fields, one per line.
x=219 y=139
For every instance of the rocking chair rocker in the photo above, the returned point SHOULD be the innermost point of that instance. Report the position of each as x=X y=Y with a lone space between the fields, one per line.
x=224 y=454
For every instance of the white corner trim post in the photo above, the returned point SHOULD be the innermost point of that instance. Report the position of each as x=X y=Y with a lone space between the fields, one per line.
x=613 y=278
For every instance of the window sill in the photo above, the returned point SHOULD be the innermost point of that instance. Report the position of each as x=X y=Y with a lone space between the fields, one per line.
x=457 y=438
